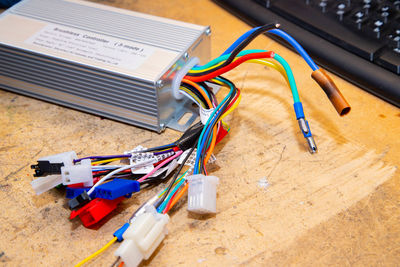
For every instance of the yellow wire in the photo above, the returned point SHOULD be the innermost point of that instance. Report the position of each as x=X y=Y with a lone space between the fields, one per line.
x=165 y=190
x=272 y=64
x=232 y=108
x=269 y=62
x=97 y=252
x=193 y=95
x=214 y=66
x=106 y=161
x=219 y=82
x=225 y=125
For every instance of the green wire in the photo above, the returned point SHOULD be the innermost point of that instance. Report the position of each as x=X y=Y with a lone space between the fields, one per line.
x=225 y=57
x=281 y=60
x=289 y=73
x=199 y=146
x=177 y=181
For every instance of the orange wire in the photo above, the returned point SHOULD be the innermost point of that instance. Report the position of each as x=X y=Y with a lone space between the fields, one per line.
x=178 y=196
x=195 y=85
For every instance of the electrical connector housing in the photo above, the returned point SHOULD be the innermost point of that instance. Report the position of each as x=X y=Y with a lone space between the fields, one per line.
x=79 y=200
x=95 y=210
x=202 y=193
x=143 y=236
x=116 y=188
x=81 y=173
x=52 y=164
x=48 y=170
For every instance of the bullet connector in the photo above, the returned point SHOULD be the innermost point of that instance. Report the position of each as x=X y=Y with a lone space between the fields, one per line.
x=305 y=129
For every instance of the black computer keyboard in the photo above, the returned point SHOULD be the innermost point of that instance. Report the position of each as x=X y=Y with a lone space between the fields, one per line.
x=357 y=39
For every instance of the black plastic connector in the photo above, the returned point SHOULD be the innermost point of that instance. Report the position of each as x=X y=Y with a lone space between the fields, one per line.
x=189 y=138
x=79 y=201
x=44 y=168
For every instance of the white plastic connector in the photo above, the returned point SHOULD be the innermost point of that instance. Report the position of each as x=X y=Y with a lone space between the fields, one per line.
x=43 y=184
x=202 y=193
x=67 y=158
x=81 y=173
x=143 y=236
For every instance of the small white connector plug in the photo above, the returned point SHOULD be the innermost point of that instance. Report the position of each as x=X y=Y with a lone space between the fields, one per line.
x=48 y=171
x=67 y=158
x=43 y=184
x=80 y=173
x=202 y=193
x=143 y=236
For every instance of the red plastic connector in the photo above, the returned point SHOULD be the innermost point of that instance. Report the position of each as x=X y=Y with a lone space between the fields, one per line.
x=95 y=210
x=221 y=134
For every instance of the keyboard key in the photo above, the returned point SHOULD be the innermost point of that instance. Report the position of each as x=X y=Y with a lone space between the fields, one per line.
x=390 y=59
x=327 y=27
x=359 y=18
x=368 y=6
x=339 y=39
x=394 y=38
x=342 y=8
x=376 y=28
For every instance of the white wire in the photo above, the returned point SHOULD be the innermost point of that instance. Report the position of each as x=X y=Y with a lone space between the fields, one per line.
x=107 y=167
x=133 y=166
x=190 y=97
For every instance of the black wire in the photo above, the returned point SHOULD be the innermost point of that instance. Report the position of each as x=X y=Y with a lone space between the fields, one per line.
x=197 y=93
x=239 y=48
x=209 y=91
x=156 y=148
x=161 y=200
x=116 y=261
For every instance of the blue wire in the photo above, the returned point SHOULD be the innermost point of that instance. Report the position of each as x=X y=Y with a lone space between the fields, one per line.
x=238 y=41
x=282 y=34
x=208 y=127
x=164 y=204
x=296 y=46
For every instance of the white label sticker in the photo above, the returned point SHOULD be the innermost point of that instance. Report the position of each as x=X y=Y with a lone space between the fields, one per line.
x=205 y=114
x=97 y=47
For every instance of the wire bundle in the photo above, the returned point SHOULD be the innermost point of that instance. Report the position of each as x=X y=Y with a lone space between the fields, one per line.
x=200 y=140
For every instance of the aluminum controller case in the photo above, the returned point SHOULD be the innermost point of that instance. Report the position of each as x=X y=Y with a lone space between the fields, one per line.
x=107 y=61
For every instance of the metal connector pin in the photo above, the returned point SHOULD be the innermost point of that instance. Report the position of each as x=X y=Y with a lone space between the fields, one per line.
x=303 y=126
x=312 y=146
x=305 y=129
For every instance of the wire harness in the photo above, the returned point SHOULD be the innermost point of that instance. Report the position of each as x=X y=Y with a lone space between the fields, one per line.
x=96 y=185
x=143 y=236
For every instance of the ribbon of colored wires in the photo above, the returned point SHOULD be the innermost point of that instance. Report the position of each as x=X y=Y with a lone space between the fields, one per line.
x=241 y=45
x=205 y=134
x=160 y=165
x=161 y=200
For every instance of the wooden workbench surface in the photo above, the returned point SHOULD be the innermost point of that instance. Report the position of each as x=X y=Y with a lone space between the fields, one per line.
x=338 y=207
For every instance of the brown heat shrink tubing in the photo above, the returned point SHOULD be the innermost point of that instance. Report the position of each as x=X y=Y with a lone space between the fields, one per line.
x=333 y=93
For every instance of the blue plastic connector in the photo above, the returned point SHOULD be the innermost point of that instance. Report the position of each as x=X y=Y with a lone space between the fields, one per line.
x=304 y=127
x=298 y=109
x=116 y=188
x=118 y=234
x=74 y=192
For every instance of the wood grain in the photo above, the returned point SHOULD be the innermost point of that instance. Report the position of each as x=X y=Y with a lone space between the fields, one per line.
x=338 y=207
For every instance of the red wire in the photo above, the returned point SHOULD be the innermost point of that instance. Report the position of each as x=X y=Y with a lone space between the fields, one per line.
x=234 y=100
x=232 y=65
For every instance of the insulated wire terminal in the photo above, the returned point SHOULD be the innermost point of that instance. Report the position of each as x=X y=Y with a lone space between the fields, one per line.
x=304 y=127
